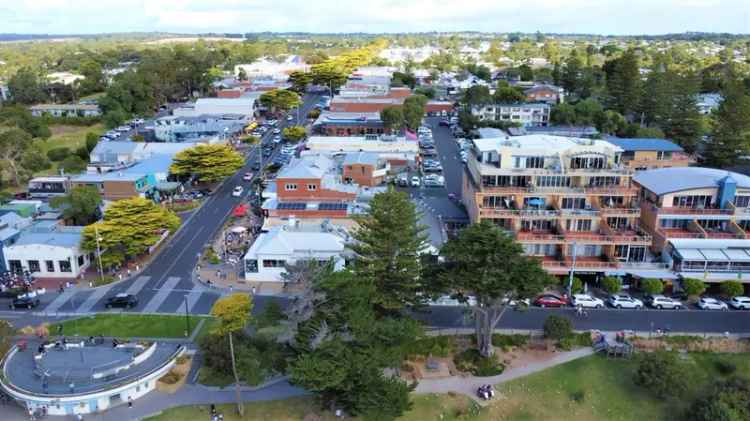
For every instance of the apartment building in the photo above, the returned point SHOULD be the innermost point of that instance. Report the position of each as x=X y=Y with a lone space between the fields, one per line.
x=349 y=124
x=525 y=114
x=646 y=154
x=560 y=197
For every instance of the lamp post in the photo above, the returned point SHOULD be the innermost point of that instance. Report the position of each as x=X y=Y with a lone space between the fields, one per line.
x=99 y=254
x=187 y=319
x=572 y=270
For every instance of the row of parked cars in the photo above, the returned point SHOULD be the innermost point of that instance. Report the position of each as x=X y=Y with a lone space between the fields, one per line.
x=31 y=300
x=625 y=301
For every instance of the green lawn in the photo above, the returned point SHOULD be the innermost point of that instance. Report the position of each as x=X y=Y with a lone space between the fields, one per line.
x=128 y=325
x=591 y=388
x=64 y=136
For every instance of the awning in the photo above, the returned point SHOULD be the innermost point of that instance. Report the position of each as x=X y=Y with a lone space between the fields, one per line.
x=238 y=230
x=645 y=273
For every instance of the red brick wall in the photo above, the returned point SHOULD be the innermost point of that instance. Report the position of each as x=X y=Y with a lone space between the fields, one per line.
x=229 y=93
x=360 y=174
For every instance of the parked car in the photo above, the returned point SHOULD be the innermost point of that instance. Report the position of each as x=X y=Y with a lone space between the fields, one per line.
x=402 y=180
x=122 y=300
x=237 y=192
x=276 y=131
x=289 y=118
x=708 y=303
x=740 y=303
x=434 y=180
x=248 y=176
x=624 y=301
x=550 y=300
x=123 y=129
x=661 y=301
x=587 y=301
x=415 y=181
x=24 y=302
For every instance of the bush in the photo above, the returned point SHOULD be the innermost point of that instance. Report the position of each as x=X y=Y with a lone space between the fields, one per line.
x=578 y=396
x=73 y=164
x=472 y=361
x=652 y=286
x=731 y=289
x=693 y=287
x=725 y=367
x=661 y=373
x=437 y=346
x=83 y=153
x=170 y=378
x=257 y=358
x=557 y=327
x=58 y=154
x=271 y=315
x=611 y=284
x=582 y=339
x=507 y=341
x=314 y=113
x=91 y=140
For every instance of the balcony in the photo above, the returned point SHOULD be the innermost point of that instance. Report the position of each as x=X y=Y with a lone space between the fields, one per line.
x=539 y=236
x=583 y=263
x=518 y=213
x=692 y=211
x=678 y=233
x=615 y=211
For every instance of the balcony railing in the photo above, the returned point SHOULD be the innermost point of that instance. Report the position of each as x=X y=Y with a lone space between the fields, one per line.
x=693 y=211
x=620 y=211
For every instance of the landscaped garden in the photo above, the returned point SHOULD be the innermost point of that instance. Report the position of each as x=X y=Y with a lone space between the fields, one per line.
x=128 y=325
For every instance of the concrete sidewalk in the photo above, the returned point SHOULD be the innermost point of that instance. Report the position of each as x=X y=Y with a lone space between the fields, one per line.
x=469 y=385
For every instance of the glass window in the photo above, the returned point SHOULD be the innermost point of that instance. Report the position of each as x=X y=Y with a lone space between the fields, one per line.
x=273 y=263
x=290 y=186
x=50 y=265
x=65 y=266
x=313 y=187
x=15 y=266
x=80 y=261
x=251 y=266
x=742 y=201
x=33 y=265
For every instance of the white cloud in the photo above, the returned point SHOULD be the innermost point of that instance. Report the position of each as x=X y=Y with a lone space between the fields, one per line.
x=581 y=16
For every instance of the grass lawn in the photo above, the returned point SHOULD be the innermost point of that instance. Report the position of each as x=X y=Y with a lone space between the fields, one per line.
x=210 y=324
x=64 y=136
x=128 y=325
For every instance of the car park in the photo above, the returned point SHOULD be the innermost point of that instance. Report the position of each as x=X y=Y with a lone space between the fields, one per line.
x=586 y=301
x=237 y=192
x=624 y=301
x=709 y=303
x=24 y=301
x=550 y=300
x=661 y=302
x=122 y=300
x=740 y=303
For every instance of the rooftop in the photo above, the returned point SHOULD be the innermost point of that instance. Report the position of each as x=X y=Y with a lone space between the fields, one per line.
x=300 y=240
x=669 y=180
x=644 y=144
x=367 y=158
x=51 y=234
x=549 y=144
x=329 y=117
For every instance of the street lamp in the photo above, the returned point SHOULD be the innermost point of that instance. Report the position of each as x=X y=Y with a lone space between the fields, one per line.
x=187 y=319
x=572 y=270
x=99 y=253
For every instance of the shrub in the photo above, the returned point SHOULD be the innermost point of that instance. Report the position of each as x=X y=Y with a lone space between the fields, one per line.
x=725 y=367
x=652 y=286
x=557 y=327
x=612 y=284
x=578 y=396
x=507 y=341
x=58 y=154
x=170 y=378
x=271 y=315
x=693 y=287
x=437 y=346
x=582 y=339
x=661 y=373
x=731 y=289
x=73 y=164
x=83 y=153
x=472 y=361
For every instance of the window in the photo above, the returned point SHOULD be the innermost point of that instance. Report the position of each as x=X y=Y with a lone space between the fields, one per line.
x=251 y=266
x=573 y=203
x=273 y=263
x=579 y=225
x=699 y=202
x=64 y=266
x=50 y=265
x=15 y=266
x=663 y=155
x=742 y=201
x=553 y=181
x=290 y=186
x=312 y=187
x=34 y=266
x=80 y=261
x=528 y=162
x=588 y=162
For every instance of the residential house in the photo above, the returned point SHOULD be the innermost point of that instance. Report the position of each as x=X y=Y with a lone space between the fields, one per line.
x=11 y=225
x=524 y=114
x=48 y=250
x=65 y=110
x=646 y=154
x=549 y=94
x=137 y=180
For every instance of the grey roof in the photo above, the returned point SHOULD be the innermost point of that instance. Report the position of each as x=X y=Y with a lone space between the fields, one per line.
x=644 y=144
x=490 y=133
x=51 y=234
x=105 y=148
x=312 y=166
x=668 y=180
x=367 y=158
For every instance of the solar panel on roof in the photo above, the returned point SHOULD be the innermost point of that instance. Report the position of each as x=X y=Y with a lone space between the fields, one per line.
x=291 y=206
x=332 y=206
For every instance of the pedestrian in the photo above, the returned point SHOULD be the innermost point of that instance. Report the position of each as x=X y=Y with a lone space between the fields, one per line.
x=80 y=417
x=253 y=290
x=91 y=284
x=31 y=414
x=130 y=402
x=61 y=289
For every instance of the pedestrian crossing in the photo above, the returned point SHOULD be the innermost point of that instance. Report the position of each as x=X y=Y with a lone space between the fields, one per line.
x=169 y=297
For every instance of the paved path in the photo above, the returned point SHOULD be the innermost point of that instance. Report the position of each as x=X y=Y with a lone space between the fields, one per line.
x=469 y=385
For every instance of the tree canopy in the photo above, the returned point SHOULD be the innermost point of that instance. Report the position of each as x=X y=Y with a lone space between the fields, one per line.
x=232 y=312
x=207 y=163
x=80 y=205
x=294 y=133
x=280 y=100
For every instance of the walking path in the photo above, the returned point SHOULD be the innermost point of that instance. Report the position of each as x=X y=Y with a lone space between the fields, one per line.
x=469 y=385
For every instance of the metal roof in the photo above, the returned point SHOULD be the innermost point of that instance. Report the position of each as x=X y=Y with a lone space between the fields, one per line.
x=644 y=144
x=669 y=180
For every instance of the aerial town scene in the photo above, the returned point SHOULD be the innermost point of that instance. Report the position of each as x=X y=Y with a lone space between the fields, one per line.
x=408 y=210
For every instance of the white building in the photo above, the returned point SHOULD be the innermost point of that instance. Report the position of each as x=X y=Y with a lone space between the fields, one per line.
x=527 y=114
x=48 y=250
x=266 y=68
x=707 y=103
x=65 y=78
x=65 y=110
x=287 y=244
x=243 y=106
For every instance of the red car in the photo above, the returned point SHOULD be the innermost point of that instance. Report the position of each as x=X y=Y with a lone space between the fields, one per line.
x=550 y=300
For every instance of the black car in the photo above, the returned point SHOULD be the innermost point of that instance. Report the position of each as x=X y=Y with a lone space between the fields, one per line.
x=122 y=300
x=24 y=302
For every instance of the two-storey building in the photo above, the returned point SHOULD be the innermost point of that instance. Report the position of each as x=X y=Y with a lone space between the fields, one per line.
x=524 y=114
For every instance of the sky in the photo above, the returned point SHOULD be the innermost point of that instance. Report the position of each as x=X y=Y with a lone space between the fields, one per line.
x=616 y=17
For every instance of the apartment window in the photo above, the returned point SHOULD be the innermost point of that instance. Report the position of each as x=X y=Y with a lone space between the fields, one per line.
x=663 y=155
x=742 y=201
x=15 y=266
x=312 y=187
x=273 y=263
x=553 y=181
x=496 y=202
x=540 y=249
x=612 y=201
x=573 y=203
x=583 y=162
x=50 y=265
x=537 y=225
x=699 y=201
x=675 y=223
x=65 y=266
x=617 y=223
x=251 y=266
x=290 y=186
x=604 y=181
x=34 y=266
x=578 y=225
x=528 y=162
x=80 y=261
x=589 y=250
x=512 y=181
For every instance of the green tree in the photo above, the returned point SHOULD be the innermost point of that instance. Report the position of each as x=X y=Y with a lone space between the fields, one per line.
x=80 y=205
x=731 y=132
x=661 y=373
x=280 y=100
x=128 y=229
x=693 y=287
x=73 y=164
x=652 y=286
x=428 y=91
x=403 y=79
x=609 y=122
x=612 y=284
x=233 y=313
x=487 y=264
x=413 y=110
x=26 y=87
x=92 y=139
x=572 y=73
x=208 y=163
x=477 y=95
x=294 y=133
x=731 y=289
x=115 y=117
x=557 y=327
x=623 y=82
x=725 y=400
x=17 y=116
x=563 y=114
x=14 y=144
x=299 y=81
x=94 y=77
x=393 y=118
x=508 y=95
x=389 y=240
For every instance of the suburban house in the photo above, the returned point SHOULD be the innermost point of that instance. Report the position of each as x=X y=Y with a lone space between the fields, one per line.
x=65 y=110
x=281 y=245
x=549 y=94
x=111 y=156
x=646 y=154
x=524 y=114
x=138 y=180
x=560 y=197
x=48 y=250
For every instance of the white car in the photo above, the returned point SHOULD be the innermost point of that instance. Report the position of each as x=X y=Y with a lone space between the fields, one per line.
x=587 y=301
x=708 y=303
x=277 y=139
x=740 y=303
x=237 y=192
x=660 y=302
x=248 y=176
x=415 y=181
x=123 y=129
x=276 y=131
x=289 y=118
x=624 y=301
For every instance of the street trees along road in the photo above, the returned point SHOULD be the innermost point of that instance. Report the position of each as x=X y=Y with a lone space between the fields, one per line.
x=207 y=163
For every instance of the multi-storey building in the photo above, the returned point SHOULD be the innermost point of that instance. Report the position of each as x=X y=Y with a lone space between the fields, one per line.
x=525 y=114
x=647 y=154
x=559 y=197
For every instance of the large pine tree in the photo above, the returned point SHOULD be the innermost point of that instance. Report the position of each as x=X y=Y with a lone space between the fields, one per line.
x=730 y=139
